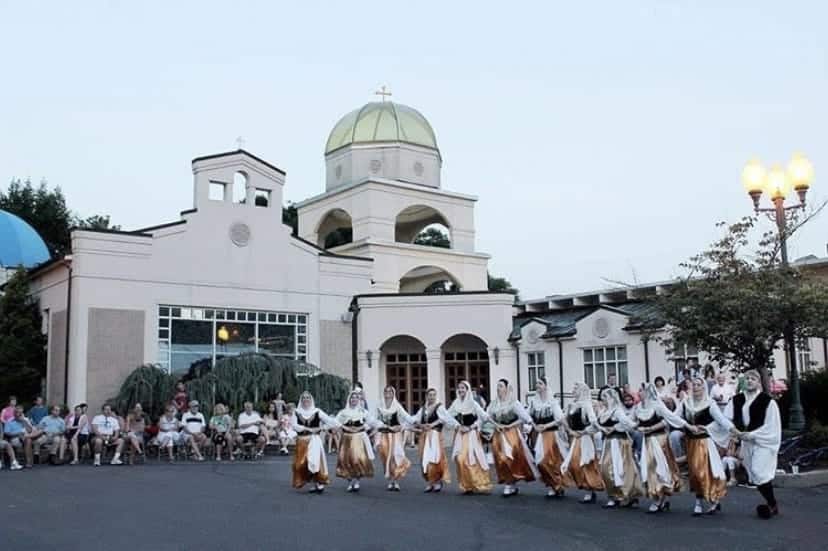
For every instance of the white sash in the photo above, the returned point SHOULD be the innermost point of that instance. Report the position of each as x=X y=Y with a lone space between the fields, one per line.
x=476 y=453
x=431 y=449
x=314 y=454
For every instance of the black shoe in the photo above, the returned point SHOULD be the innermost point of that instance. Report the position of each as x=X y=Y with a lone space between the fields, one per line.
x=631 y=503
x=717 y=508
x=665 y=507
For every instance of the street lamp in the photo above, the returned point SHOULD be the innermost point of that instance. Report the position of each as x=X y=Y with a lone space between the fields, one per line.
x=777 y=182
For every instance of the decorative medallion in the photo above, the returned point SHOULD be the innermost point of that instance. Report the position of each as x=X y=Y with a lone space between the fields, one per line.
x=419 y=168
x=375 y=165
x=532 y=335
x=338 y=171
x=601 y=328
x=240 y=234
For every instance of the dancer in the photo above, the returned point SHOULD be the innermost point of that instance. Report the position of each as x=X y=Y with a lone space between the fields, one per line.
x=355 y=459
x=391 y=418
x=468 y=455
x=618 y=469
x=581 y=463
x=756 y=423
x=658 y=465
x=309 y=462
x=513 y=461
x=706 y=471
x=550 y=445
x=430 y=421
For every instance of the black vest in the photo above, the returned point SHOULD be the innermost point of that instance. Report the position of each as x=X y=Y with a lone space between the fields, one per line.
x=466 y=419
x=757 y=411
x=312 y=423
x=609 y=423
x=576 y=421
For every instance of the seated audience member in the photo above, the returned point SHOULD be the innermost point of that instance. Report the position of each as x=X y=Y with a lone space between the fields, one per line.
x=106 y=433
x=280 y=405
x=180 y=397
x=5 y=446
x=722 y=391
x=193 y=428
x=271 y=423
x=168 y=426
x=286 y=433
x=18 y=432
x=7 y=414
x=221 y=425
x=136 y=424
x=51 y=430
x=77 y=431
x=249 y=426
x=38 y=411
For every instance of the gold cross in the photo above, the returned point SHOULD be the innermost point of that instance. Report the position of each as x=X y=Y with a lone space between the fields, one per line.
x=382 y=92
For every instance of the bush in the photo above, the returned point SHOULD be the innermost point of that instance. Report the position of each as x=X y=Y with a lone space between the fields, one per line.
x=813 y=389
x=816 y=437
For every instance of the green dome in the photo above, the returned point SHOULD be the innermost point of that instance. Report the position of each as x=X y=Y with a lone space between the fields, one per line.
x=382 y=121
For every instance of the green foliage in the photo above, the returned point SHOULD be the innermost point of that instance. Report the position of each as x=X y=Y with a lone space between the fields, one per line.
x=234 y=380
x=813 y=389
x=290 y=217
x=433 y=236
x=22 y=345
x=46 y=211
x=816 y=437
x=734 y=306
x=501 y=284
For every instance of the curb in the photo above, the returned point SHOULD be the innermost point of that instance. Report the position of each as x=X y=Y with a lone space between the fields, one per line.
x=802 y=480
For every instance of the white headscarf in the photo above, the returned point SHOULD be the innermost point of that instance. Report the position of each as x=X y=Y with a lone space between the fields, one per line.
x=693 y=405
x=498 y=405
x=649 y=400
x=393 y=407
x=611 y=401
x=303 y=412
x=465 y=405
x=352 y=413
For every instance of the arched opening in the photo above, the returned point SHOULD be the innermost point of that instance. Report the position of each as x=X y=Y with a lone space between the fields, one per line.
x=465 y=358
x=239 y=187
x=422 y=225
x=428 y=279
x=406 y=370
x=335 y=229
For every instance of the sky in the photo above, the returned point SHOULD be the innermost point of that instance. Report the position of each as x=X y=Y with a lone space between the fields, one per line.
x=603 y=139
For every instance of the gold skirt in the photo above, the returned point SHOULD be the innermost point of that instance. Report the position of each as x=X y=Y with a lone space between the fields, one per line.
x=352 y=460
x=517 y=468
x=471 y=478
x=656 y=489
x=586 y=477
x=550 y=465
x=702 y=481
x=301 y=474
x=631 y=483
x=385 y=451
x=436 y=473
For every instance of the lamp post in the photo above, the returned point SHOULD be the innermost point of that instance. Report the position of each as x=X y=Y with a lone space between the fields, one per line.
x=778 y=183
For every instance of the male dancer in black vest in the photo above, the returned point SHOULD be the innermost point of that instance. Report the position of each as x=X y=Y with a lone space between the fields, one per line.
x=756 y=421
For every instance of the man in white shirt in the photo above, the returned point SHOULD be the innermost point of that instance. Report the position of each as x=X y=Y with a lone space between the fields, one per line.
x=192 y=431
x=107 y=432
x=250 y=423
x=722 y=391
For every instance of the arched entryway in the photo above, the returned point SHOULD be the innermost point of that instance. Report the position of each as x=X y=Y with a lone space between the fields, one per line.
x=428 y=279
x=335 y=229
x=422 y=225
x=406 y=369
x=465 y=358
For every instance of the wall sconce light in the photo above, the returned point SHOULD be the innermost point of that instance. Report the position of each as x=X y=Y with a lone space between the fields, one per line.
x=497 y=355
x=369 y=354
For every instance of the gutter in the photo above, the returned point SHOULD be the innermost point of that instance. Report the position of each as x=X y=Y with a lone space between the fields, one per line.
x=560 y=369
x=646 y=341
x=354 y=344
x=517 y=366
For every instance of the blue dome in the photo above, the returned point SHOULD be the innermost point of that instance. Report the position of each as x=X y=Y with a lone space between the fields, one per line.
x=20 y=244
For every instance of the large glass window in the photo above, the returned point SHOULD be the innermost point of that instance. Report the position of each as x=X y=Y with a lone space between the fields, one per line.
x=537 y=368
x=600 y=363
x=188 y=335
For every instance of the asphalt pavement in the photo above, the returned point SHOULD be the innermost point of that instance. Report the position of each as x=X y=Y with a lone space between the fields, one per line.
x=251 y=506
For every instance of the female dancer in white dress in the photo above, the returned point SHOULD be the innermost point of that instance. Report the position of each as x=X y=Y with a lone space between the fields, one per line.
x=659 y=470
x=550 y=445
x=704 y=463
x=430 y=421
x=513 y=460
x=309 y=462
x=355 y=459
x=618 y=468
x=580 y=466
x=468 y=454
x=391 y=419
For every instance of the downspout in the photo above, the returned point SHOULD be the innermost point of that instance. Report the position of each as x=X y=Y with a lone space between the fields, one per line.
x=517 y=367
x=646 y=340
x=68 y=333
x=560 y=369
x=354 y=344
x=824 y=352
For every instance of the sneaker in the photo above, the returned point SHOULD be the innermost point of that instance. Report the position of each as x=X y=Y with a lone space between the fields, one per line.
x=97 y=463
x=116 y=462
x=73 y=462
x=16 y=466
x=356 y=486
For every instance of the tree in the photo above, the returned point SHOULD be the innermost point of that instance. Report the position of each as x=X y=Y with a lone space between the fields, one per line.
x=433 y=236
x=734 y=306
x=290 y=217
x=22 y=344
x=46 y=211
x=501 y=284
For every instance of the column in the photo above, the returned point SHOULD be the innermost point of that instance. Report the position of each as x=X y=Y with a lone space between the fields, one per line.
x=435 y=372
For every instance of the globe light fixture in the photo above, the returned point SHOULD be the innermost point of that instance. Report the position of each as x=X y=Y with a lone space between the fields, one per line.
x=754 y=177
x=778 y=184
x=223 y=334
x=801 y=174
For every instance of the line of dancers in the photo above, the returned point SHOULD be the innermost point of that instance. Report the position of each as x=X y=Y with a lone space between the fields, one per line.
x=565 y=452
